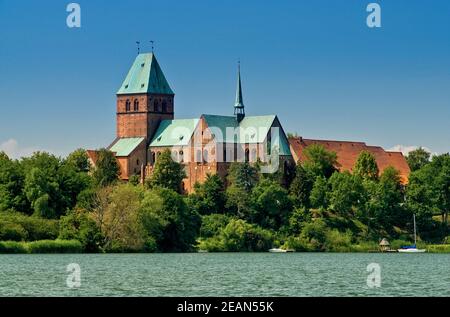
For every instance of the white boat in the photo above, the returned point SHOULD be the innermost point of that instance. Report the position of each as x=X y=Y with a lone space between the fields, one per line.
x=277 y=250
x=412 y=248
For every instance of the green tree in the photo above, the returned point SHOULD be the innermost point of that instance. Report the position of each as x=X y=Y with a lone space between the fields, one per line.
x=320 y=161
x=167 y=173
x=12 y=180
x=366 y=166
x=243 y=176
x=428 y=192
x=346 y=192
x=106 y=170
x=117 y=213
x=390 y=197
x=182 y=224
x=239 y=235
x=209 y=197
x=319 y=193
x=77 y=225
x=418 y=158
x=301 y=187
x=238 y=202
x=79 y=160
x=272 y=205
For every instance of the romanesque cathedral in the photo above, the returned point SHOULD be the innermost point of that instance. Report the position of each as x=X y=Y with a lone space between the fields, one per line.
x=146 y=126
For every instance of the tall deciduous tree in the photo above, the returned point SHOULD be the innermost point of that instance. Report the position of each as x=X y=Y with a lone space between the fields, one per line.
x=320 y=161
x=272 y=205
x=418 y=159
x=106 y=170
x=209 y=197
x=12 y=180
x=167 y=173
x=301 y=187
x=366 y=166
x=243 y=176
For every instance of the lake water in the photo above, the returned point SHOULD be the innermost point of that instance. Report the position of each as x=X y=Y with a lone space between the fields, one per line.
x=226 y=274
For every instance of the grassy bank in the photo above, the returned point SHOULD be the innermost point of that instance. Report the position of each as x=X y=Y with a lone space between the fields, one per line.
x=42 y=246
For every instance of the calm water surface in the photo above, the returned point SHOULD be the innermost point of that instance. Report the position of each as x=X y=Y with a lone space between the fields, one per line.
x=226 y=274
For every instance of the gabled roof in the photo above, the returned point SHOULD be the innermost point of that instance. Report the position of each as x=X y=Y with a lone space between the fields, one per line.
x=347 y=154
x=145 y=76
x=174 y=132
x=125 y=146
x=252 y=129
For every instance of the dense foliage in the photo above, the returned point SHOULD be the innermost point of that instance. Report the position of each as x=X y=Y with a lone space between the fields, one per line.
x=49 y=204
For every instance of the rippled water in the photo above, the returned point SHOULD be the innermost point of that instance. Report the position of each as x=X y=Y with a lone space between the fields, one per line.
x=226 y=274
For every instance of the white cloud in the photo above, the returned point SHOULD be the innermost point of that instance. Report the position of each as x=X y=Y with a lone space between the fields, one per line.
x=405 y=149
x=13 y=150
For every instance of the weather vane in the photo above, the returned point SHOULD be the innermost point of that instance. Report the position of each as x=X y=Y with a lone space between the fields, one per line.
x=138 y=46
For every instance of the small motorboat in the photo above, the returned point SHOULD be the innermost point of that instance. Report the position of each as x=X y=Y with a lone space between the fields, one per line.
x=277 y=250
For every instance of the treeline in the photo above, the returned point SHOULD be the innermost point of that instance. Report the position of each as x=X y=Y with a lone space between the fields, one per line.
x=310 y=207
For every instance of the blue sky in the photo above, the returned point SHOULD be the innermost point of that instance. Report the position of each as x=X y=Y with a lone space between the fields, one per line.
x=315 y=64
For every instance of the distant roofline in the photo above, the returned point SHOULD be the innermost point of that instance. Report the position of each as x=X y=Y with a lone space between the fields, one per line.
x=300 y=138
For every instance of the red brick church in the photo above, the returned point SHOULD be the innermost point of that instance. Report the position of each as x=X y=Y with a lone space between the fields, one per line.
x=146 y=126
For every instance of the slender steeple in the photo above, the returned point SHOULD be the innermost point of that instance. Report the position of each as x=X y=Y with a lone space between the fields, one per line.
x=239 y=110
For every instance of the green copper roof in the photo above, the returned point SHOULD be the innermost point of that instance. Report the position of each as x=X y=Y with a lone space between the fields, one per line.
x=174 y=132
x=250 y=130
x=145 y=76
x=239 y=100
x=125 y=146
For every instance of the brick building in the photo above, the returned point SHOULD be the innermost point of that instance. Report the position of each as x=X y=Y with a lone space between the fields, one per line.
x=206 y=145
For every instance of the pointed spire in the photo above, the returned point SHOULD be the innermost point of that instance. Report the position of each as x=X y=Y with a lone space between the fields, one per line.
x=239 y=110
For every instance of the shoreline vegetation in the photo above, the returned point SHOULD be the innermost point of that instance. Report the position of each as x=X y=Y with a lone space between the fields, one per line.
x=54 y=205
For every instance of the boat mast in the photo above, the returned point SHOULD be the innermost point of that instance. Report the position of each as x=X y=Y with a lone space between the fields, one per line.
x=415 y=240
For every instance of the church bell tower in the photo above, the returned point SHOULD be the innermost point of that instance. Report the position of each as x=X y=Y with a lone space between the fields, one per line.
x=143 y=100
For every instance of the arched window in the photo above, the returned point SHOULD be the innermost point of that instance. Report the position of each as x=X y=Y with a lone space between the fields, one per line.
x=247 y=155
x=156 y=105
x=205 y=156
x=164 y=106
x=137 y=162
x=224 y=158
x=136 y=105
x=183 y=187
x=153 y=157
x=127 y=105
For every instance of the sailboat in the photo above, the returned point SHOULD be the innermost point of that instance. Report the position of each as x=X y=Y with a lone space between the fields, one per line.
x=412 y=248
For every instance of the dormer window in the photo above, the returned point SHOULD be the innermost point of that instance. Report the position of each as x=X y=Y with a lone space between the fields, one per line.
x=127 y=105
x=164 y=106
x=136 y=105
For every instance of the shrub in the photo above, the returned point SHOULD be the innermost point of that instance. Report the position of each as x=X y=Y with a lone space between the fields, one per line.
x=12 y=247
x=337 y=241
x=296 y=243
x=36 y=228
x=55 y=246
x=213 y=224
x=12 y=232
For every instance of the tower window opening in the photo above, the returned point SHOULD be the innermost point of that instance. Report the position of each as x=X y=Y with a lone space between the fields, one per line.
x=136 y=105
x=127 y=105
x=164 y=106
